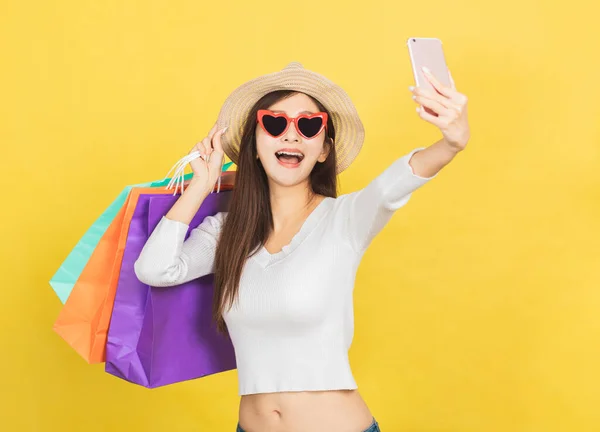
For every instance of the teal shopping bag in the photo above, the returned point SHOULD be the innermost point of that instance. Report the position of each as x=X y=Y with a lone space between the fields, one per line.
x=67 y=274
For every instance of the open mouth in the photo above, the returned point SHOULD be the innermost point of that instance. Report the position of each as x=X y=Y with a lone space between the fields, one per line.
x=289 y=157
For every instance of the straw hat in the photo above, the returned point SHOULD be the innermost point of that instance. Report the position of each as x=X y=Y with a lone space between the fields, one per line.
x=349 y=130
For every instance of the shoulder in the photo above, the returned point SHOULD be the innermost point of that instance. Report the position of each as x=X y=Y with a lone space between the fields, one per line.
x=220 y=217
x=340 y=204
x=211 y=224
x=335 y=209
x=216 y=220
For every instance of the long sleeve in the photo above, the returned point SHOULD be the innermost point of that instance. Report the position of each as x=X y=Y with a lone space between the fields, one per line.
x=367 y=211
x=169 y=259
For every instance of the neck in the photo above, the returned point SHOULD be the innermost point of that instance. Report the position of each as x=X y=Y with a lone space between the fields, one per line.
x=289 y=204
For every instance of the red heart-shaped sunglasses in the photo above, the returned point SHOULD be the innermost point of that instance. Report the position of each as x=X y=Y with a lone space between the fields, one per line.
x=307 y=125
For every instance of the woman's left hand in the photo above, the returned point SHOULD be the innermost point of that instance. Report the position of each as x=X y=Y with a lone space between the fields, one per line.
x=450 y=107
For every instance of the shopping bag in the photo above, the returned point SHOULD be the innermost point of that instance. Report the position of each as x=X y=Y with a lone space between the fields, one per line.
x=83 y=320
x=159 y=336
x=65 y=277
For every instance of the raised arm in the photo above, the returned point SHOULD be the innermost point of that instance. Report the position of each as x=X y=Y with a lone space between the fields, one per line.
x=367 y=211
x=166 y=258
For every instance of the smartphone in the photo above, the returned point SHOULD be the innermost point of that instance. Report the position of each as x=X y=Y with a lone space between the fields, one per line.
x=428 y=52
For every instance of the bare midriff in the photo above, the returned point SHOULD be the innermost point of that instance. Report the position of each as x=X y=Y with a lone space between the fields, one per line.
x=334 y=410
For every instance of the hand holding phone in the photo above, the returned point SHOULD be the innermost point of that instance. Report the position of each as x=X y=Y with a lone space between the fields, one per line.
x=428 y=52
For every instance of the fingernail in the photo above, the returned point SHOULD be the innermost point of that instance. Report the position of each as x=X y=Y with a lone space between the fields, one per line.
x=414 y=97
x=411 y=88
x=426 y=70
x=224 y=129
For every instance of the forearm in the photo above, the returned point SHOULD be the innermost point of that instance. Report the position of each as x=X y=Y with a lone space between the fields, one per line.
x=186 y=207
x=428 y=162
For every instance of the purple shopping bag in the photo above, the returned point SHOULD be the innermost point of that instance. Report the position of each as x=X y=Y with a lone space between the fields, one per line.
x=162 y=335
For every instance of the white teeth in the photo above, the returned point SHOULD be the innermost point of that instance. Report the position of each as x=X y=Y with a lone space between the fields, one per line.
x=299 y=155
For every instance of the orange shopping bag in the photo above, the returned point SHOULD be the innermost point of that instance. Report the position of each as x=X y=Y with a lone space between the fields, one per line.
x=83 y=320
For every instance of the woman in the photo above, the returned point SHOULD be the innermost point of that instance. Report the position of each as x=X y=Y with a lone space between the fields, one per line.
x=286 y=253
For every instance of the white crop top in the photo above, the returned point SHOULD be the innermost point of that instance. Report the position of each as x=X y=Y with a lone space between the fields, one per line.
x=294 y=322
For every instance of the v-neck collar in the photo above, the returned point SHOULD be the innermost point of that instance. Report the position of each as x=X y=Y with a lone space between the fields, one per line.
x=265 y=258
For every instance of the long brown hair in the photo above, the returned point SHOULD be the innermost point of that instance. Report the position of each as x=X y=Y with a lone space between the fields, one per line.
x=249 y=220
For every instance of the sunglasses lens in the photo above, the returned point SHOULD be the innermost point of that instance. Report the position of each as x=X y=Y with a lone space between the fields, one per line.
x=274 y=125
x=310 y=127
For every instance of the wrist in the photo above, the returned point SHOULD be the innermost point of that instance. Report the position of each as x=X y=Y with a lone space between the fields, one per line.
x=450 y=149
x=199 y=186
x=453 y=147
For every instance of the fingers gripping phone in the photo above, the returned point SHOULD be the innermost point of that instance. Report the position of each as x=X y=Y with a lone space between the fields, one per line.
x=428 y=52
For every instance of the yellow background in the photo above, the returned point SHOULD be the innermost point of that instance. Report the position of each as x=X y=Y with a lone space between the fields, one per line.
x=477 y=308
